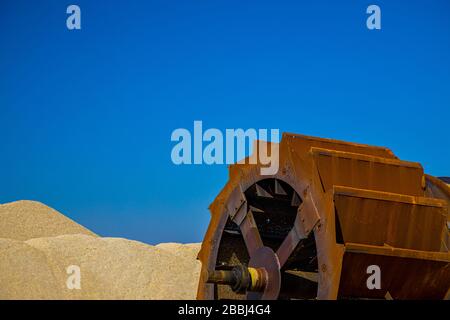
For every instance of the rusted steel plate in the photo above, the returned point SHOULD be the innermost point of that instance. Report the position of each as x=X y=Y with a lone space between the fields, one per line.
x=446 y=180
x=309 y=216
x=379 y=218
x=436 y=188
x=368 y=172
x=405 y=274
x=237 y=205
x=302 y=144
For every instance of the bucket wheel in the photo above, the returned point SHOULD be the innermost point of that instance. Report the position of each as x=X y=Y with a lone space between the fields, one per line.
x=312 y=230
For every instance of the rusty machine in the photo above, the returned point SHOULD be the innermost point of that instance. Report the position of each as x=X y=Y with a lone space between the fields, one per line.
x=315 y=228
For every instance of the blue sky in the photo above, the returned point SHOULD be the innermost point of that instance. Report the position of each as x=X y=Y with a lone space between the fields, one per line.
x=86 y=115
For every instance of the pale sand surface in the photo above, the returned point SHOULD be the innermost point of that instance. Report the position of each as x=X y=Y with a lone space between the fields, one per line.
x=34 y=261
x=23 y=220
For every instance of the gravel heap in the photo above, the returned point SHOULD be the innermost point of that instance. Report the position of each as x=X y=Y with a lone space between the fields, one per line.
x=23 y=220
x=38 y=245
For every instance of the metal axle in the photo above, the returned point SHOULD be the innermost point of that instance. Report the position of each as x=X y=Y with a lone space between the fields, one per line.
x=240 y=278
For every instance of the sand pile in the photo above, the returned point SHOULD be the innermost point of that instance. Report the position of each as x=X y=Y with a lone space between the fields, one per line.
x=23 y=220
x=110 y=268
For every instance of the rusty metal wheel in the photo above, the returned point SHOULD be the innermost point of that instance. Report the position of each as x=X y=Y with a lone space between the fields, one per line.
x=311 y=230
x=266 y=238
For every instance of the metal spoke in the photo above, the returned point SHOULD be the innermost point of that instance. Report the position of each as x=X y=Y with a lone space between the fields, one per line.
x=251 y=234
x=290 y=242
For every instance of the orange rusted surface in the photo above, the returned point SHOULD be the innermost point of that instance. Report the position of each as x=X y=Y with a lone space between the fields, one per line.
x=332 y=209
